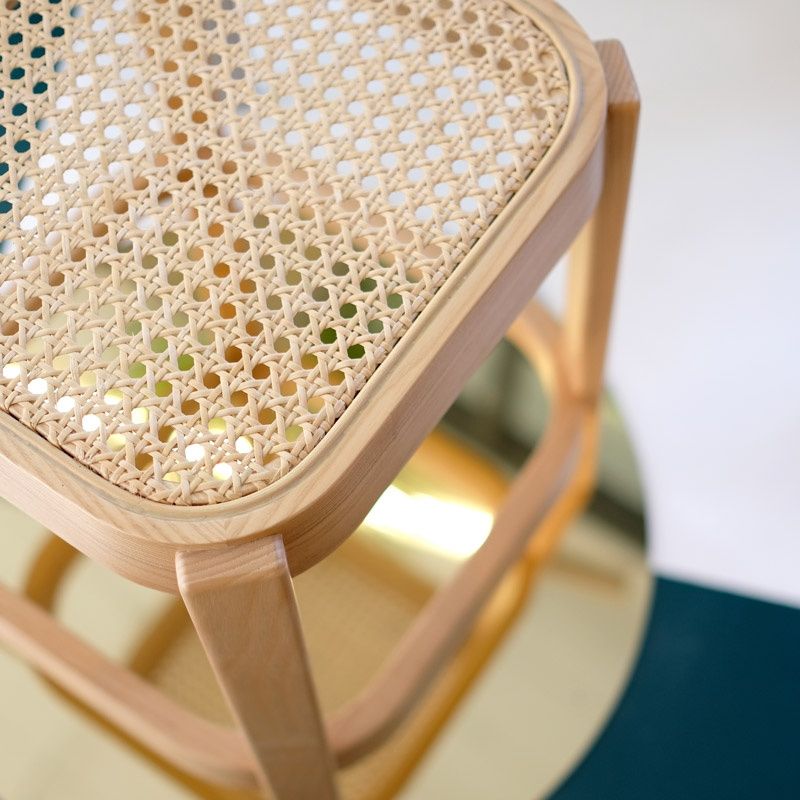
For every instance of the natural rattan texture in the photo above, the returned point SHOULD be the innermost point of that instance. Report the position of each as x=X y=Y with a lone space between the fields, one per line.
x=218 y=218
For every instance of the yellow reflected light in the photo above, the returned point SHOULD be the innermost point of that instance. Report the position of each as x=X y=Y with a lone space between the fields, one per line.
x=452 y=529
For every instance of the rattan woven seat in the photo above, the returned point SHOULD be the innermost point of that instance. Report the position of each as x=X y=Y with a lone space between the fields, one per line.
x=249 y=252
x=220 y=219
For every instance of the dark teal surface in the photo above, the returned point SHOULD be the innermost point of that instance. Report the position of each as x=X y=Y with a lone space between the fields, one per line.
x=712 y=710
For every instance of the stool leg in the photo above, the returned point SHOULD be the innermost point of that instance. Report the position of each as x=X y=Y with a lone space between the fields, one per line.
x=595 y=254
x=242 y=603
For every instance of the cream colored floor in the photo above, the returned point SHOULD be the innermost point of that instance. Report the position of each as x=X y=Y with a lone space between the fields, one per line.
x=531 y=716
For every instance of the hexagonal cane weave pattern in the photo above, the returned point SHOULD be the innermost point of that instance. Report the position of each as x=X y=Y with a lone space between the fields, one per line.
x=218 y=218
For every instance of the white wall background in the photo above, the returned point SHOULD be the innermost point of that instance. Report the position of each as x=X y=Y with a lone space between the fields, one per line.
x=705 y=349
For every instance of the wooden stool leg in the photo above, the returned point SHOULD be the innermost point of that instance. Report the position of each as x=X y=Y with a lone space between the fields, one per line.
x=242 y=603
x=595 y=254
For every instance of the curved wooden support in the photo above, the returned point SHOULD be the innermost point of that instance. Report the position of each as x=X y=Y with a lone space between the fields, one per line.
x=200 y=747
x=447 y=619
x=49 y=569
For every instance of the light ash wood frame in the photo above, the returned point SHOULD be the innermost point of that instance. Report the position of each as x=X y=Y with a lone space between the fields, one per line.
x=324 y=498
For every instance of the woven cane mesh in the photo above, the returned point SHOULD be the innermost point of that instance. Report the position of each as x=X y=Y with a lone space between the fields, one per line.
x=218 y=218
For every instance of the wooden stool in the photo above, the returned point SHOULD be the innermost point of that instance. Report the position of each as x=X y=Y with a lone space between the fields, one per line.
x=250 y=254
